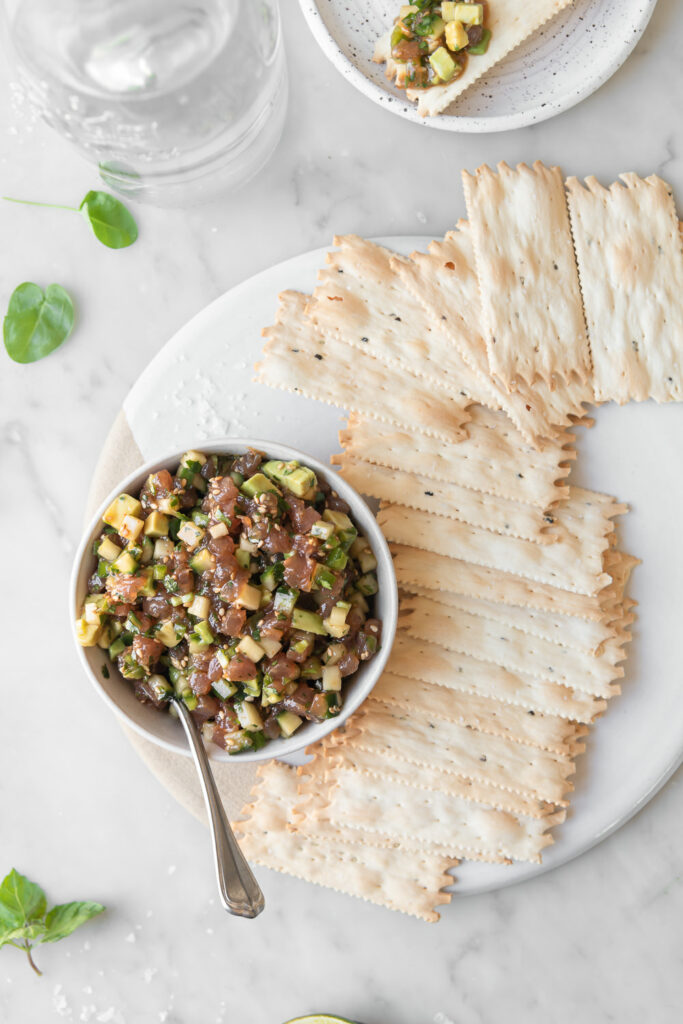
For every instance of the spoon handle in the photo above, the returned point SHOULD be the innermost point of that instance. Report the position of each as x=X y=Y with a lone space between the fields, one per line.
x=239 y=891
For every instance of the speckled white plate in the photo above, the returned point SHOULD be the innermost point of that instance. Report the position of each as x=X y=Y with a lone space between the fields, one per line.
x=560 y=65
x=200 y=386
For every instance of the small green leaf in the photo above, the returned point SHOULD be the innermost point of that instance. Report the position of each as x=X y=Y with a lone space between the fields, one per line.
x=21 y=902
x=113 y=224
x=65 y=918
x=36 y=323
x=29 y=932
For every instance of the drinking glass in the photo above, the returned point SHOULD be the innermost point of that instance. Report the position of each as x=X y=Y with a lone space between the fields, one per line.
x=175 y=100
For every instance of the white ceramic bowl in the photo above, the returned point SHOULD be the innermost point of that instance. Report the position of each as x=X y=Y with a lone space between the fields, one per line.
x=160 y=727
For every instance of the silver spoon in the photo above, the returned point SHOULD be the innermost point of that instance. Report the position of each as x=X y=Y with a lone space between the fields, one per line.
x=239 y=891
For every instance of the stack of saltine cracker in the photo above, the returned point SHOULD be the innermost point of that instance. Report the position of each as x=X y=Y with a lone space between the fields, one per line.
x=465 y=371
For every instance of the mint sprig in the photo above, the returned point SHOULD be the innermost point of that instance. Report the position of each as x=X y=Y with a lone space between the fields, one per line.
x=26 y=922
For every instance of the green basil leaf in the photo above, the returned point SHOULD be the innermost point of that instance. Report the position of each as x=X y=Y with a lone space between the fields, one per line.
x=113 y=224
x=29 y=932
x=65 y=918
x=21 y=902
x=36 y=323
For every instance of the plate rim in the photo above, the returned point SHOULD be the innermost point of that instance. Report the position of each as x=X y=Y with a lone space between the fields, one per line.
x=520 y=871
x=466 y=124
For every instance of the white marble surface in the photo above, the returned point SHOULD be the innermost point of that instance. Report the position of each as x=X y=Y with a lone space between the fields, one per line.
x=600 y=939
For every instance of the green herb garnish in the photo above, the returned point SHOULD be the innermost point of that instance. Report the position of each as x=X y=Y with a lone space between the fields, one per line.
x=37 y=322
x=112 y=223
x=26 y=922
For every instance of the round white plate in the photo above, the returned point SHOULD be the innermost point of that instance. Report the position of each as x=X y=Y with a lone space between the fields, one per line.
x=200 y=386
x=558 y=66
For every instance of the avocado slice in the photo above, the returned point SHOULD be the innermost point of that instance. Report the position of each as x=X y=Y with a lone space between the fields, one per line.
x=296 y=478
x=308 y=621
x=257 y=484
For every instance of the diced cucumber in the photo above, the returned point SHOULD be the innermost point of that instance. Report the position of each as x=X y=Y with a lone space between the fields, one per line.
x=170 y=506
x=248 y=715
x=122 y=506
x=224 y=689
x=322 y=530
x=334 y=654
x=116 y=648
x=332 y=678
x=203 y=561
x=219 y=530
x=482 y=46
x=252 y=687
x=312 y=668
x=156 y=525
x=337 y=558
x=271 y=576
x=125 y=563
x=269 y=693
x=163 y=548
x=166 y=634
x=335 y=623
x=284 y=600
x=270 y=646
x=367 y=584
x=243 y=558
x=288 y=722
x=311 y=622
x=160 y=686
x=200 y=518
x=323 y=577
x=204 y=633
x=190 y=534
x=108 y=550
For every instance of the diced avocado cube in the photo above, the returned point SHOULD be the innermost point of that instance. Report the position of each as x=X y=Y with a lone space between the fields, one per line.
x=156 y=524
x=456 y=36
x=248 y=597
x=469 y=14
x=201 y=606
x=167 y=635
x=248 y=715
x=257 y=484
x=125 y=563
x=219 y=530
x=358 y=601
x=149 y=586
x=122 y=506
x=292 y=475
x=87 y=633
x=250 y=649
x=339 y=520
x=116 y=648
x=448 y=10
x=437 y=27
x=332 y=678
x=288 y=722
x=108 y=550
x=203 y=561
x=443 y=64
x=192 y=456
x=308 y=621
x=482 y=46
x=367 y=561
x=191 y=535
